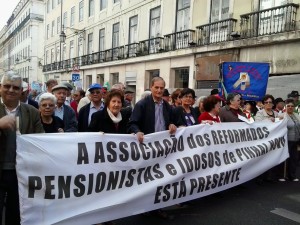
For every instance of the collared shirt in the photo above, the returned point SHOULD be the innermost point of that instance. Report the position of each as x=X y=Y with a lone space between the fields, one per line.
x=93 y=109
x=59 y=112
x=11 y=112
x=159 y=116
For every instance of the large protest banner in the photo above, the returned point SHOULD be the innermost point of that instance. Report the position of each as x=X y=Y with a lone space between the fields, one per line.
x=87 y=178
x=250 y=79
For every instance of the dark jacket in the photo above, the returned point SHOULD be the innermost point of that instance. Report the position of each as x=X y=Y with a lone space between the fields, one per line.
x=143 y=116
x=70 y=121
x=226 y=115
x=179 y=115
x=30 y=123
x=101 y=121
x=33 y=103
x=83 y=118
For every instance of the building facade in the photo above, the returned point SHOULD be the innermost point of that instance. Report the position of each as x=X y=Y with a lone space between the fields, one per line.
x=183 y=41
x=22 y=41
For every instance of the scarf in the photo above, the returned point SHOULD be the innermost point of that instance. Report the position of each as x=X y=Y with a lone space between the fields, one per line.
x=113 y=118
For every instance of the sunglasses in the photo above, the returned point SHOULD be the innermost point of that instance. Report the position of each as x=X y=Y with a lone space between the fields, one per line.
x=95 y=92
x=8 y=86
x=47 y=105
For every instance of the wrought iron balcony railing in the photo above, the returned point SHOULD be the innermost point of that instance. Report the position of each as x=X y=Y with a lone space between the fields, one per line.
x=180 y=40
x=269 y=21
x=216 y=32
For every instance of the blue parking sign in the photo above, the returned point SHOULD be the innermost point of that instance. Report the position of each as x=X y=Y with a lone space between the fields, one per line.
x=75 y=77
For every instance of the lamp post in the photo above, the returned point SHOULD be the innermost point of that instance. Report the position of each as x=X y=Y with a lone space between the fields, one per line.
x=62 y=36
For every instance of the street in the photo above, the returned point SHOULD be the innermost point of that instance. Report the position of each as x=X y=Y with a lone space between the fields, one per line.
x=269 y=203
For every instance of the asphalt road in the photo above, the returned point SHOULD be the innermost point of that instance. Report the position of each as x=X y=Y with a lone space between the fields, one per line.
x=269 y=203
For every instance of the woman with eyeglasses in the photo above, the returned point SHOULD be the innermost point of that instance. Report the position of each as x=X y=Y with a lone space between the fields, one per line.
x=232 y=112
x=51 y=123
x=293 y=136
x=267 y=113
x=186 y=114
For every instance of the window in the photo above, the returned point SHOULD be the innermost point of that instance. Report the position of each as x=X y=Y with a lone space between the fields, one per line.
x=133 y=22
x=52 y=28
x=91 y=7
x=65 y=20
x=155 y=22
x=103 y=4
x=81 y=10
x=53 y=4
x=115 y=37
x=114 y=77
x=71 y=50
x=48 y=31
x=72 y=16
x=101 y=40
x=116 y=1
x=58 y=25
x=90 y=43
x=57 y=53
x=183 y=15
x=182 y=78
x=48 y=6
x=219 y=10
x=52 y=55
x=58 y=2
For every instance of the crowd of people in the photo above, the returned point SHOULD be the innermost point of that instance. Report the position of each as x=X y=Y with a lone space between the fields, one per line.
x=62 y=109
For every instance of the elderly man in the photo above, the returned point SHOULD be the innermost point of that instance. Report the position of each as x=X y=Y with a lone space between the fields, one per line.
x=86 y=112
x=63 y=111
x=24 y=96
x=28 y=122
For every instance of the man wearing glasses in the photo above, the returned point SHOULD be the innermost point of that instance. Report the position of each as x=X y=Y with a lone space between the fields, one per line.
x=86 y=112
x=15 y=118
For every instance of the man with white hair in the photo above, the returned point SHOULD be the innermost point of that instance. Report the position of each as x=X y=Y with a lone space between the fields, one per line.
x=15 y=117
x=24 y=96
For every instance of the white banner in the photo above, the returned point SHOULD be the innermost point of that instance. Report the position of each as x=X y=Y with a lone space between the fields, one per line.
x=87 y=178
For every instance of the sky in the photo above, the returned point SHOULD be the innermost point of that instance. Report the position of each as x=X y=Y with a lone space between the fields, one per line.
x=6 y=9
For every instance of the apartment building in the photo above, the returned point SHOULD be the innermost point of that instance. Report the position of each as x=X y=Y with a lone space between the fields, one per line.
x=183 y=41
x=22 y=40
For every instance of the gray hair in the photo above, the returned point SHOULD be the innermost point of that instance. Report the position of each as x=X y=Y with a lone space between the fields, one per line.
x=200 y=99
x=11 y=76
x=47 y=96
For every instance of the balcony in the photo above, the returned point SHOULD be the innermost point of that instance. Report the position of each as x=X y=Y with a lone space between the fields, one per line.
x=269 y=21
x=180 y=40
x=216 y=32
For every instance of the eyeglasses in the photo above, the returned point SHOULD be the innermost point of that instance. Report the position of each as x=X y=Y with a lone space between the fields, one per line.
x=290 y=106
x=95 y=92
x=268 y=102
x=47 y=105
x=188 y=96
x=8 y=86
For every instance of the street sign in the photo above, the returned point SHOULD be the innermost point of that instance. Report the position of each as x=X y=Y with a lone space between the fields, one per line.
x=75 y=77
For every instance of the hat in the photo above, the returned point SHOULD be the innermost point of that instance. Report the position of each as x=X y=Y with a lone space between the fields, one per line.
x=166 y=93
x=214 y=91
x=94 y=86
x=25 y=86
x=59 y=86
x=129 y=92
x=294 y=94
x=68 y=85
x=277 y=100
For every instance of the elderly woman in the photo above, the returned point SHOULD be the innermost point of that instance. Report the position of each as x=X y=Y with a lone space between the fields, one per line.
x=175 y=97
x=231 y=111
x=111 y=119
x=51 y=123
x=267 y=113
x=293 y=136
x=212 y=106
x=186 y=113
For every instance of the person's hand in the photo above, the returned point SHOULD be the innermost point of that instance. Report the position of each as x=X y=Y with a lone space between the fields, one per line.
x=172 y=128
x=60 y=130
x=140 y=136
x=8 y=122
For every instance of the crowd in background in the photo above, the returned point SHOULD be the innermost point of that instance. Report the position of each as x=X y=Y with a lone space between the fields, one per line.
x=62 y=108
